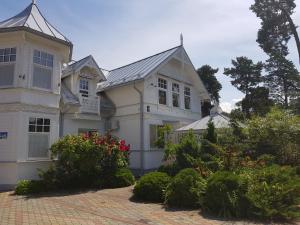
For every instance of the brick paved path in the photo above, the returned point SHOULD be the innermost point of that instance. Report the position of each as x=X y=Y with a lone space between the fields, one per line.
x=93 y=208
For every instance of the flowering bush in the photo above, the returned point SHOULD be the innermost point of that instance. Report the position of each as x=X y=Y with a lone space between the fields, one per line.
x=84 y=159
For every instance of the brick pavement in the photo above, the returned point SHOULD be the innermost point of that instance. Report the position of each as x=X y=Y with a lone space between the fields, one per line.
x=104 y=207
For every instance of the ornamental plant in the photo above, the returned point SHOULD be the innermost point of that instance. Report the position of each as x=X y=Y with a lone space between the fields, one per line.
x=81 y=160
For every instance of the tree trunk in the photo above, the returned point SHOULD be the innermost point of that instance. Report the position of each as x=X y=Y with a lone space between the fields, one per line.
x=286 y=94
x=294 y=30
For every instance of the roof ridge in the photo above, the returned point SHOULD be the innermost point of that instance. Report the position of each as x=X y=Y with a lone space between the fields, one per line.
x=80 y=60
x=47 y=22
x=145 y=58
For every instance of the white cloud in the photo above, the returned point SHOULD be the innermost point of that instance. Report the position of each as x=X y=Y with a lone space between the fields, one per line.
x=226 y=106
x=229 y=106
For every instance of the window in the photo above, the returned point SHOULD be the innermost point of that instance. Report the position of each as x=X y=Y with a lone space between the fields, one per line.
x=187 y=98
x=154 y=135
x=162 y=92
x=84 y=87
x=176 y=94
x=42 y=70
x=39 y=132
x=8 y=58
x=43 y=59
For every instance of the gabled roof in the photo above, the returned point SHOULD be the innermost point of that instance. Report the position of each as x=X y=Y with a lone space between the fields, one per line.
x=76 y=66
x=137 y=70
x=31 y=19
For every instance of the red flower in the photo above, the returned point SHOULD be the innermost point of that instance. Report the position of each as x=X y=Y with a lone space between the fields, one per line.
x=123 y=147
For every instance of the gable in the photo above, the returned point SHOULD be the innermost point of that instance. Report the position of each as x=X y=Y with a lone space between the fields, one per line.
x=180 y=68
x=88 y=65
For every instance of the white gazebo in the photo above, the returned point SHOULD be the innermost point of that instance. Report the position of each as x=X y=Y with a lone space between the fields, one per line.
x=216 y=116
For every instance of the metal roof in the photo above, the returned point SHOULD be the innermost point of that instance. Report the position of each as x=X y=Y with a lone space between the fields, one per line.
x=137 y=70
x=87 y=61
x=31 y=18
x=67 y=96
x=219 y=121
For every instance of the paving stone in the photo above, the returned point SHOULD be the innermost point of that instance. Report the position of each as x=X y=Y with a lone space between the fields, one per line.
x=104 y=207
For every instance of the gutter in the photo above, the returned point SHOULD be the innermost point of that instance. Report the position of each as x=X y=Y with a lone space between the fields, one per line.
x=141 y=127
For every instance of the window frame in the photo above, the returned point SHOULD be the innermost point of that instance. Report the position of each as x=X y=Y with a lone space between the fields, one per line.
x=87 y=89
x=162 y=87
x=189 y=95
x=177 y=93
x=9 y=62
x=42 y=66
x=153 y=147
x=34 y=133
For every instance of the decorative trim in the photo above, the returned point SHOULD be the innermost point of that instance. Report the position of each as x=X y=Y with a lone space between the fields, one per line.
x=17 y=107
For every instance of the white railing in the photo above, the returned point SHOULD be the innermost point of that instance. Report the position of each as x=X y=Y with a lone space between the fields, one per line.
x=90 y=104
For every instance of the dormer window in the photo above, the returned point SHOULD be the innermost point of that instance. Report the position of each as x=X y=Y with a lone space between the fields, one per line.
x=162 y=91
x=84 y=87
x=42 y=70
x=8 y=58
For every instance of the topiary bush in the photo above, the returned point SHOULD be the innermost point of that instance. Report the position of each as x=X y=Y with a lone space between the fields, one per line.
x=26 y=187
x=274 y=193
x=151 y=187
x=225 y=195
x=121 y=178
x=186 y=189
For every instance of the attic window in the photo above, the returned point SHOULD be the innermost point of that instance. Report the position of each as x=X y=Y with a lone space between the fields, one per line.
x=162 y=92
x=7 y=66
x=176 y=94
x=187 y=98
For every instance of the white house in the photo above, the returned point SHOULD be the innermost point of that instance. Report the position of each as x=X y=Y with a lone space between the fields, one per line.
x=43 y=95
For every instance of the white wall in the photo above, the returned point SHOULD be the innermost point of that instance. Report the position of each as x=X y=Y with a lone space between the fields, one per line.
x=71 y=126
x=8 y=147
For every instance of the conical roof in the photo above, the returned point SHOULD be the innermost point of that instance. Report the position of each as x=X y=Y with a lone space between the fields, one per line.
x=31 y=19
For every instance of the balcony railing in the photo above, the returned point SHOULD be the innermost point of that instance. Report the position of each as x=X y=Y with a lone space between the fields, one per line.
x=90 y=104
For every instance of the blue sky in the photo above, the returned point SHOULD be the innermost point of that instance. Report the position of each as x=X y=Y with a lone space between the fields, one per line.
x=117 y=32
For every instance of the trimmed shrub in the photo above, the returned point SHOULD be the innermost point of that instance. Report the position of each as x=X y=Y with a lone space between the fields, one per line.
x=151 y=187
x=274 y=193
x=170 y=169
x=26 y=187
x=225 y=195
x=186 y=189
x=121 y=178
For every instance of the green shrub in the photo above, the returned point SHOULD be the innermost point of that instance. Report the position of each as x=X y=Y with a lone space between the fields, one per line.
x=26 y=187
x=225 y=195
x=151 y=187
x=170 y=169
x=187 y=151
x=121 y=178
x=274 y=193
x=277 y=134
x=186 y=189
x=82 y=159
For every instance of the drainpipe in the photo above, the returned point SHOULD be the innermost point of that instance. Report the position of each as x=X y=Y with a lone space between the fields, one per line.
x=141 y=127
x=61 y=124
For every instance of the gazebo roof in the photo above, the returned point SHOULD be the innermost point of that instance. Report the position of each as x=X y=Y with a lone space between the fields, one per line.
x=219 y=120
x=31 y=19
